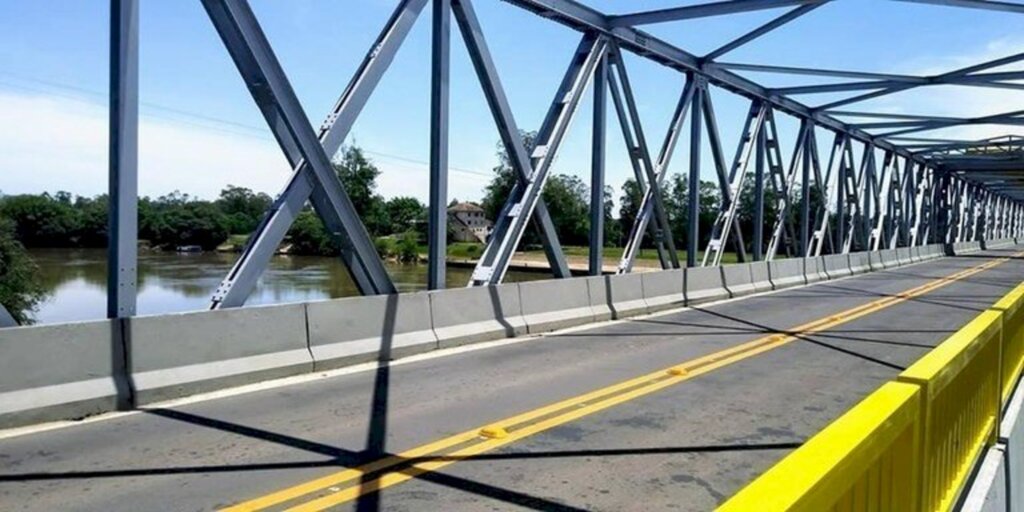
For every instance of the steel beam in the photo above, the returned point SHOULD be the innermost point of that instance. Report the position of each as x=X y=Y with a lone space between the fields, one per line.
x=597 y=169
x=122 y=220
x=437 y=215
x=693 y=188
x=757 y=243
x=762 y=30
x=368 y=276
x=703 y=11
x=640 y=225
x=641 y=152
x=524 y=198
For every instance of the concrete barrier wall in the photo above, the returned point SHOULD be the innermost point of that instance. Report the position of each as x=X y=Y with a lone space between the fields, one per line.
x=737 y=279
x=916 y=254
x=814 y=270
x=997 y=243
x=903 y=256
x=888 y=258
x=54 y=372
x=616 y=296
x=360 y=329
x=473 y=315
x=759 y=276
x=704 y=284
x=836 y=265
x=859 y=262
x=555 y=304
x=786 y=273
x=171 y=356
x=663 y=289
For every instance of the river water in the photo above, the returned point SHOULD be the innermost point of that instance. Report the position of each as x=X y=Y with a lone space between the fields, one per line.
x=172 y=282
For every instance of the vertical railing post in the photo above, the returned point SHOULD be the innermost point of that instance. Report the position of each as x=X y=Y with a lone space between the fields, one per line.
x=437 y=223
x=122 y=245
x=597 y=154
x=693 y=196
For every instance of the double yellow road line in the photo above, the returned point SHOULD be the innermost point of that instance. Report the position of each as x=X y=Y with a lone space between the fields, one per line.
x=347 y=485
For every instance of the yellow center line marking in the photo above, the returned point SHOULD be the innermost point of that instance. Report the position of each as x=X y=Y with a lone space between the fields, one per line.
x=395 y=469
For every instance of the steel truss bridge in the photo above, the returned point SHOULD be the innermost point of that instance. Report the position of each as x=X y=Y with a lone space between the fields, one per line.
x=907 y=189
x=892 y=194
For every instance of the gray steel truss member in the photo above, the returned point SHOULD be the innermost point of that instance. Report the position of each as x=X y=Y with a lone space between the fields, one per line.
x=822 y=233
x=640 y=224
x=6 y=320
x=479 y=54
x=122 y=221
x=736 y=180
x=595 y=254
x=437 y=215
x=524 y=197
x=647 y=176
x=311 y=179
x=783 y=185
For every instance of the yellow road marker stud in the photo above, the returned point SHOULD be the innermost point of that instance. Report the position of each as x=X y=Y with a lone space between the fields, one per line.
x=435 y=455
x=494 y=432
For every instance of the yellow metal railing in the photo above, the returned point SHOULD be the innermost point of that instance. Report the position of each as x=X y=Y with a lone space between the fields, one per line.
x=910 y=445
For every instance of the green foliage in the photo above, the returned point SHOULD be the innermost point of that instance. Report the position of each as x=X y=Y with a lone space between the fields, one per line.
x=406 y=214
x=179 y=219
x=407 y=250
x=42 y=220
x=309 y=236
x=21 y=289
x=243 y=208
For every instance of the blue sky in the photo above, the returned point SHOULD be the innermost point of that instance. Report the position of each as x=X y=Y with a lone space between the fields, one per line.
x=201 y=131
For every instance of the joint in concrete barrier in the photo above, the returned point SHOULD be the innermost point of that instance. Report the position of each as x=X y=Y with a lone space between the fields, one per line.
x=616 y=296
x=370 y=328
x=786 y=273
x=704 y=284
x=555 y=304
x=738 y=279
x=473 y=315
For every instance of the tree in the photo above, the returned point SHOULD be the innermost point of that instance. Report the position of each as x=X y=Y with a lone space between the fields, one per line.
x=21 y=289
x=42 y=220
x=179 y=219
x=629 y=207
x=243 y=208
x=404 y=214
x=359 y=177
x=309 y=236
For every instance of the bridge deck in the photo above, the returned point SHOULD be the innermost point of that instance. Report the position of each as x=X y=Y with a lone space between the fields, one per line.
x=686 y=446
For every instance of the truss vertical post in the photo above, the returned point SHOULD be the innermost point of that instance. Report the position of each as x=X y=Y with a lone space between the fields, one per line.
x=758 y=235
x=437 y=223
x=597 y=168
x=805 y=195
x=122 y=222
x=693 y=188
x=783 y=182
